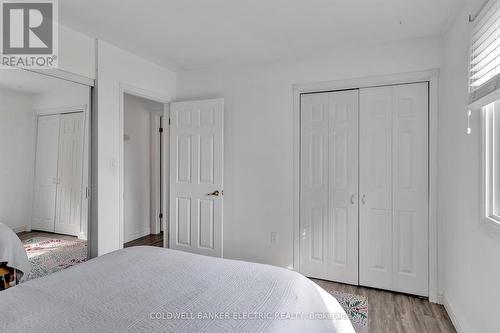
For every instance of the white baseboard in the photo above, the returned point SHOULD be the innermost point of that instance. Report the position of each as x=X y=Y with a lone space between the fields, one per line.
x=453 y=315
x=137 y=234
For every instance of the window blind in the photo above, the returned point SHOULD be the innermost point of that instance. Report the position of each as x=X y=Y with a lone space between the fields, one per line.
x=484 y=78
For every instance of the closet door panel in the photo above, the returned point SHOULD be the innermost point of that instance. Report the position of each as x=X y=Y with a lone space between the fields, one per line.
x=70 y=163
x=375 y=233
x=329 y=211
x=343 y=187
x=45 y=185
x=314 y=185
x=410 y=188
x=394 y=188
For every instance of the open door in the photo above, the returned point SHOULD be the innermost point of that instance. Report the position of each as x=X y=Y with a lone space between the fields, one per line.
x=196 y=176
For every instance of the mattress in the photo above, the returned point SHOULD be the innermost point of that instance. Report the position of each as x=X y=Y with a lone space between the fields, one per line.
x=147 y=289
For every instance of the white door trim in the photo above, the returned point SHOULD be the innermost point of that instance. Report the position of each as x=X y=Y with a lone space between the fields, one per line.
x=147 y=94
x=63 y=75
x=155 y=204
x=61 y=110
x=431 y=76
x=166 y=174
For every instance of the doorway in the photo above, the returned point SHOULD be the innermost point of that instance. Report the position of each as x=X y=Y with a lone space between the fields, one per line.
x=144 y=138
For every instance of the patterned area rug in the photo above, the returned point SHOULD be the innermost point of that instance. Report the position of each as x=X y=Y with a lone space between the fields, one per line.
x=49 y=255
x=356 y=308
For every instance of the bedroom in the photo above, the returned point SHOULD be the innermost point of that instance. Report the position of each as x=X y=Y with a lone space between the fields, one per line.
x=254 y=72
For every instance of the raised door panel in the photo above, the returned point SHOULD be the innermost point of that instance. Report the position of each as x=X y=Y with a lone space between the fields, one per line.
x=196 y=173
x=375 y=221
x=45 y=185
x=410 y=188
x=70 y=166
x=183 y=222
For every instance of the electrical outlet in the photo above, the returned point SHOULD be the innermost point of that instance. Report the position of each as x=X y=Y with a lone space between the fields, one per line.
x=274 y=237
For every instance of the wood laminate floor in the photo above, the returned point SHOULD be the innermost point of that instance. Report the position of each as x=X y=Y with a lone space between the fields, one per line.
x=150 y=240
x=390 y=312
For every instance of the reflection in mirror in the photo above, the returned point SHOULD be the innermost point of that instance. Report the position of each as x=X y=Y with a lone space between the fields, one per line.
x=44 y=174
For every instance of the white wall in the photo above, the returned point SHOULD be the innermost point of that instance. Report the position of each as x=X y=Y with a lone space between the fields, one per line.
x=70 y=95
x=76 y=52
x=16 y=151
x=137 y=169
x=116 y=67
x=258 y=135
x=470 y=269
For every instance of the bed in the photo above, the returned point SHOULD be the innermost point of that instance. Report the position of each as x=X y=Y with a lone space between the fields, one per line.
x=12 y=253
x=147 y=289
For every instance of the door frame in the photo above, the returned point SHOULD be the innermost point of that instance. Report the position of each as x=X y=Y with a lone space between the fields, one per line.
x=157 y=97
x=156 y=170
x=86 y=172
x=432 y=77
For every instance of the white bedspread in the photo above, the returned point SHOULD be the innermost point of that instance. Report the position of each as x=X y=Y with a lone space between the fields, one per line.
x=144 y=289
x=12 y=251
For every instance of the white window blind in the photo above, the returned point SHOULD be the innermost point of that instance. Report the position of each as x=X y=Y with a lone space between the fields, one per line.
x=485 y=53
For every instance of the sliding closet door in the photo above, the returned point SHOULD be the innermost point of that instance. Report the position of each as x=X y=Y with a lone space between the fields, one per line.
x=394 y=188
x=70 y=163
x=329 y=210
x=44 y=192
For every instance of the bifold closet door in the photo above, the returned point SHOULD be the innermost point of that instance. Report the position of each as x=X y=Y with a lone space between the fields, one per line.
x=329 y=186
x=45 y=187
x=70 y=163
x=393 y=210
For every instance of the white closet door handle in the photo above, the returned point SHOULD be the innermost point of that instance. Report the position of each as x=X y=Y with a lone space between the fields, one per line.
x=352 y=199
x=363 y=199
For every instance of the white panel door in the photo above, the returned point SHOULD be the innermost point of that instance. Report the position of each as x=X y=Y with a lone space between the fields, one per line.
x=70 y=163
x=394 y=188
x=196 y=176
x=329 y=186
x=45 y=185
x=375 y=170
x=410 y=189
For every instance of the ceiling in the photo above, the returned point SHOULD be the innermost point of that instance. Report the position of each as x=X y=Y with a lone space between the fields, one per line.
x=194 y=34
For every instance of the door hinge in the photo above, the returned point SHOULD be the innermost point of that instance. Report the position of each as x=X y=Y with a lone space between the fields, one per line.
x=169 y=121
x=161 y=129
x=161 y=216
